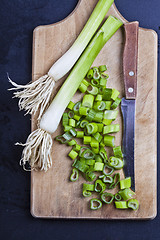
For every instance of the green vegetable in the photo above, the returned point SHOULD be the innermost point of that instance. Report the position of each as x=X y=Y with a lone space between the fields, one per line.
x=73 y=154
x=102 y=68
x=75 y=175
x=126 y=193
x=95 y=204
x=125 y=183
x=99 y=186
x=53 y=114
x=133 y=204
x=121 y=204
x=107 y=197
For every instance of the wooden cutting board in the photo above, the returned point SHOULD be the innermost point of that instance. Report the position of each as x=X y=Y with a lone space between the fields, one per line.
x=52 y=194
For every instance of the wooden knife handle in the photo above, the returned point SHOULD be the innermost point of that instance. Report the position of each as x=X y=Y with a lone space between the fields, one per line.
x=130 y=59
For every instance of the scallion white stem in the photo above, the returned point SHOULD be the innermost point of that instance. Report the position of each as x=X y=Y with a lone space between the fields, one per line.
x=33 y=95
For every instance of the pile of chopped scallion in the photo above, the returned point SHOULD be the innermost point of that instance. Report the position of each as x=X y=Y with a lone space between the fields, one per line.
x=91 y=120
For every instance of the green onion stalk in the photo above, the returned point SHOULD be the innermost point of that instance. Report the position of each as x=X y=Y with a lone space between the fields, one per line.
x=37 y=149
x=37 y=94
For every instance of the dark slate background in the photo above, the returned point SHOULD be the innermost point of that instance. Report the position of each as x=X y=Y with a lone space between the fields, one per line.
x=18 y=18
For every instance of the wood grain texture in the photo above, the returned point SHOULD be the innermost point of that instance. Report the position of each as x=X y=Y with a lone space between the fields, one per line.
x=52 y=194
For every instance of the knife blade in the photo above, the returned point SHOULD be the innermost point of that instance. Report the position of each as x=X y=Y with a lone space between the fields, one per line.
x=130 y=58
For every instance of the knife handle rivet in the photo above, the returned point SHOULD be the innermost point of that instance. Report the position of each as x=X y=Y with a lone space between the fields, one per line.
x=131 y=73
x=130 y=90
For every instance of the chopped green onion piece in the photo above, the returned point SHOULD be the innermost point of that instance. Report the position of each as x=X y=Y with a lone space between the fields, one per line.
x=95 y=150
x=102 y=143
x=72 y=122
x=82 y=88
x=100 y=186
x=107 y=197
x=115 y=94
x=98 y=136
x=81 y=166
x=87 y=153
x=103 y=154
x=82 y=160
x=74 y=163
x=67 y=136
x=86 y=140
x=88 y=100
x=117 y=163
x=88 y=187
x=86 y=193
x=107 y=93
x=96 y=73
x=76 y=107
x=75 y=175
x=107 y=121
x=116 y=103
x=95 y=204
x=98 y=166
x=65 y=119
x=90 y=176
x=118 y=152
x=107 y=170
x=104 y=75
x=94 y=143
x=116 y=180
x=95 y=82
x=125 y=183
x=101 y=176
x=77 y=148
x=103 y=82
x=121 y=204
x=80 y=134
x=117 y=197
x=99 y=106
x=85 y=82
x=90 y=74
x=92 y=90
x=83 y=123
x=111 y=128
x=77 y=117
x=109 y=140
x=98 y=97
x=108 y=104
x=98 y=159
x=72 y=142
x=91 y=128
x=70 y=105
x=107 y=179
x=61 y=139
x=98 y=117
x=91 y=115
x=90 y=162
x=73 y=154
x=133 y=204
x=100 y=127
x=100 y=91
x=102 y=68
x=73 y=132
x=70 y=114
x=110 y=114
x=83 y=111
x=67 y=128
x=126 y=193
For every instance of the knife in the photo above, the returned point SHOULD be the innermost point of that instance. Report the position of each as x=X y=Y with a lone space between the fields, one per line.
x=130 y=58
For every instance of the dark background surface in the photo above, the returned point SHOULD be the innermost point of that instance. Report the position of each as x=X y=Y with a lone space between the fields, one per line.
x=18 y=18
